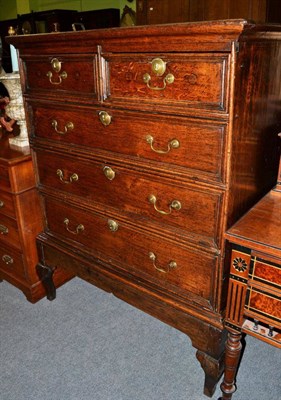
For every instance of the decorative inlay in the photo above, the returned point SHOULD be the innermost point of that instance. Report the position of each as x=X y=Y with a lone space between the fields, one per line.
x=239 y=264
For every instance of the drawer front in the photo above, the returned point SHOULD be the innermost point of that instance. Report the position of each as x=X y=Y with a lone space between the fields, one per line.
x=4 y=178
x=62 y=74
x=175 y=141
x=265 y=272
x=191 y=209
x=9 y=231
x=141 y=254
x=11 y=262
x=193 y=80
x=262 y=305
x=7 y=204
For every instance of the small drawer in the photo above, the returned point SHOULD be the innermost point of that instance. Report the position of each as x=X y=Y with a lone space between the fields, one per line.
x=11 y=262
x=265 y=272
x=146 y=198
x=9 y=231
x=57 y=74
x=174 y=141
x=142 y=254
x=175 y=80
x=263 y=306
x=7 y=204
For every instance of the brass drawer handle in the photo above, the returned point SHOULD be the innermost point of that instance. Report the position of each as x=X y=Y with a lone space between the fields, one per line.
x=158 y=68
x=175 y=205
x=61 y=76
x=79 y=228
x=173 y=144
x=56 y=66
x=69 y=126
x=4 y=230
x=73 y=178
x=7 y=259
x=167 y=79
x=2 y=203
x=113 y=225
x=109 y=173
x=172 y=264
x=105 y=118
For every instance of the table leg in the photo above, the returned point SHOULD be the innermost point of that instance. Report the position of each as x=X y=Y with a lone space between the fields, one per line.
x=233 y=349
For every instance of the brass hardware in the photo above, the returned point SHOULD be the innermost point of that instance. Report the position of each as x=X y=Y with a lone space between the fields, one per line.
x=113 y=225
x=79 y=228
x=105 y=118
x=109 y=173
x=7 y=259
x=158 y=68
x=174 y=205
x=172 y=264
x=2 y=203
x=73 y=178
x=69 y=126
x=62 y=76
x=4 y=230
x=56 y=66
x=173 y=144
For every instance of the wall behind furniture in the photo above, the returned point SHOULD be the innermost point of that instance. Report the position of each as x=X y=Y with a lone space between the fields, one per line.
x=10 y=9
x=79 y=5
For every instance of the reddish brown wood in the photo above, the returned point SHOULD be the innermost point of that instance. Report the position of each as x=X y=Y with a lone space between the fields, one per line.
x=21 y=214
x=170 y=11
x=222 y=108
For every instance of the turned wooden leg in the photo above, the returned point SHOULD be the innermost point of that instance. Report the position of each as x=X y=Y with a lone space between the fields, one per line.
x=213 y=369
x=46 y=275
x=233 y=349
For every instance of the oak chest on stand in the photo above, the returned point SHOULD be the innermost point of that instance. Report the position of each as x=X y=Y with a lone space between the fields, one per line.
x=149 y=142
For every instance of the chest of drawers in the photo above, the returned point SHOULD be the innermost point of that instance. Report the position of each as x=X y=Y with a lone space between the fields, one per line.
x=20 y=221
x=148 y=143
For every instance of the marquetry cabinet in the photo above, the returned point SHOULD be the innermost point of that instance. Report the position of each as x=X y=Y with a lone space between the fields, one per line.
x=254 y=293
x=148 y=143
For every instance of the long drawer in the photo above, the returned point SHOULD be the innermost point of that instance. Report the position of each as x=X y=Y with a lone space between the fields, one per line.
x=178 y=142
x=4 y=178
x=7 y=204
x=11 y=262
x=9 y=231
x=147 y=256
x=145 y=197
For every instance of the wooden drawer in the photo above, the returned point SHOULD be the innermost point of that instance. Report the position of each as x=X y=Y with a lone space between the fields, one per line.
x=263 y=306
x=62 y=74
x=4 y=178
x=7 y=204
x=131 y=249
x=9 y=231
x=186 y=80
x=146 y=198
x=265 y=272
x=11 y=262
x=177 y=142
